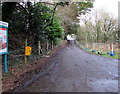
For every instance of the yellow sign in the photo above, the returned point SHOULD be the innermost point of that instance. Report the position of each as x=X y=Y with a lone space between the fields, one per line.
x=28 y=50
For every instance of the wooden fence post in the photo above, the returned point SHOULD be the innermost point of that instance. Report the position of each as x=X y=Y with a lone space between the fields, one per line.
x=47 y=45
x=52 y=44
x=93 y=46
x=86 y=41
x=39 y=47
x=108 y=47
x=112 y=47
x=25 y=57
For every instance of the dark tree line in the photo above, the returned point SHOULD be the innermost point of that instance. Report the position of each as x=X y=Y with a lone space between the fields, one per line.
x=37 y=22
x=40 y=22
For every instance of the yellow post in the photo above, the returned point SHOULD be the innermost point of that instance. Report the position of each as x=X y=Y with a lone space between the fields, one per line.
x=25 y=57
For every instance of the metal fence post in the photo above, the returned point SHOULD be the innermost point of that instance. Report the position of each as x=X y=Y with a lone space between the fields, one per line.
x=5 y=63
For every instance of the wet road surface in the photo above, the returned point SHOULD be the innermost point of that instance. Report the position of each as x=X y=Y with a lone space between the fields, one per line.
x=78 y=71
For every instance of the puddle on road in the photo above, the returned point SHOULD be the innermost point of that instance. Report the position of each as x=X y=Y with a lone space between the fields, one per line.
x=103 y=85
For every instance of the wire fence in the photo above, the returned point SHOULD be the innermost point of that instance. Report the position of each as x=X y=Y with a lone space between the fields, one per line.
x=102 y=47
x=16 y=58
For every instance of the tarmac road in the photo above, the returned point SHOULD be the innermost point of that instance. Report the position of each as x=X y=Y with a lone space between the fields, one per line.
x=78 y=71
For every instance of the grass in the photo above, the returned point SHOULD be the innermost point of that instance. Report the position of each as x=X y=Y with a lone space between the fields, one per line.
x=113 y=57
x=103 y=53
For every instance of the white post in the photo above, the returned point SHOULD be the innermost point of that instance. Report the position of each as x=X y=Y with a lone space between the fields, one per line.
x=112 y=48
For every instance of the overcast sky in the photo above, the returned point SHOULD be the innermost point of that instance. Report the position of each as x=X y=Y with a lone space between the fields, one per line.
x=110 y=6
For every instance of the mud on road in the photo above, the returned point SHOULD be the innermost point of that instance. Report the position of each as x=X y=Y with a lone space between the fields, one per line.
x=75 y=70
